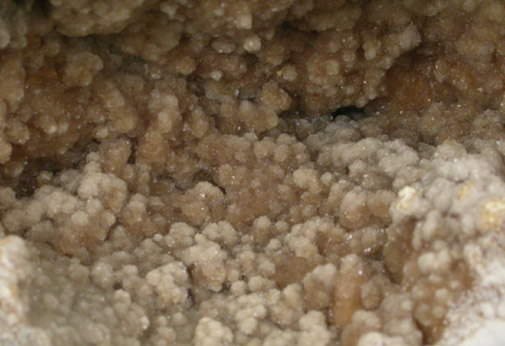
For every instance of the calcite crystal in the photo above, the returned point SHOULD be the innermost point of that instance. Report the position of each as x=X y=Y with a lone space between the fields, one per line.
x=268 y=172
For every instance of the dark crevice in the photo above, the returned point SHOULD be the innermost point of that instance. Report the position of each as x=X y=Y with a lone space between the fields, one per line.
x=204 y=175
x=134 y=147
x=352 y=112
x=45 y=7
x=27 y=183
x=74 y=158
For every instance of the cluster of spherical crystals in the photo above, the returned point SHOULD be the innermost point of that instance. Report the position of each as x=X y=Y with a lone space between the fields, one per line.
x=170 y=172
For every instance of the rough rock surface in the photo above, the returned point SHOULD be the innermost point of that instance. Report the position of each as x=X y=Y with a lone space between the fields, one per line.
x=221 y=172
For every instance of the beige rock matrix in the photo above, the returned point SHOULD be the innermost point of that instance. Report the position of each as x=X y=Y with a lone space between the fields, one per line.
x=251 y=172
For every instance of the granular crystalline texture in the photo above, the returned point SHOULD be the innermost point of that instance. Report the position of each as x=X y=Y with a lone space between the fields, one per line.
x=252 y=172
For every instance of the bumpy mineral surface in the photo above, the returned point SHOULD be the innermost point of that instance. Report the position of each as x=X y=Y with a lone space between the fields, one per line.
x=251 y=172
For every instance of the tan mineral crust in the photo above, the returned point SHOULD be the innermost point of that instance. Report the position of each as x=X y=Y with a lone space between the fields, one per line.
x=252 y=172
